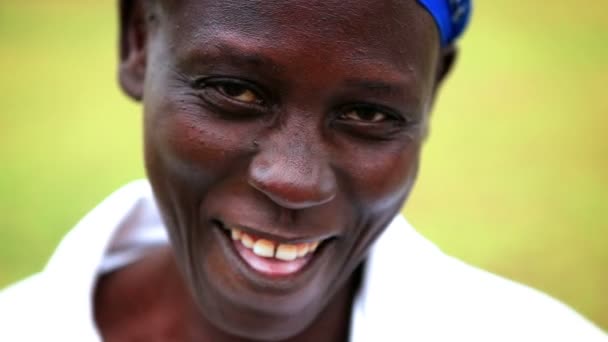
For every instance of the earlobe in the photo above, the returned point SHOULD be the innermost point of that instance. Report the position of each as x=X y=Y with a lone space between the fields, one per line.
x=133 y=41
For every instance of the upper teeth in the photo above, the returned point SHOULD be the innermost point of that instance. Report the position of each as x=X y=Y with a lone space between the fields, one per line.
x=268 y=249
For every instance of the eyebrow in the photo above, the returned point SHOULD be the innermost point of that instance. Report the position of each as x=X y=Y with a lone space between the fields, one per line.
x=378 y=87
x=244 y=57
x=234 y=54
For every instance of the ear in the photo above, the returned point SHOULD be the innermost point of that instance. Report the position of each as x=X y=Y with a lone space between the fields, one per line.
x=447 y=58
x=133 y=38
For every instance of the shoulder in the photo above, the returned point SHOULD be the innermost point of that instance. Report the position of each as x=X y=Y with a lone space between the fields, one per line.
x=20 y=295
x=443 y=297
x=492 y=305
x=56 y=303
x=22 y=310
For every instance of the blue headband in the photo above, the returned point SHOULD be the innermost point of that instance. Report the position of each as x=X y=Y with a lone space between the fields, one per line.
x=451 y=16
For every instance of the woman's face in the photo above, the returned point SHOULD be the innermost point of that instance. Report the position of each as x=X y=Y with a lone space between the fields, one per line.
x=287 y=124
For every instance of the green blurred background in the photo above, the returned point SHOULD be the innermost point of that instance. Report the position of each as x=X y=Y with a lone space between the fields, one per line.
x=514 y=176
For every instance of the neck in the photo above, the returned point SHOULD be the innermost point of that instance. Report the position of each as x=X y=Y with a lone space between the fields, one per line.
x=150 y=299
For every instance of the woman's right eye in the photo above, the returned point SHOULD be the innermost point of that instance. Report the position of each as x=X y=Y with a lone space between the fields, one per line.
x=230 y=89
x=238 y=92
x=233 y=97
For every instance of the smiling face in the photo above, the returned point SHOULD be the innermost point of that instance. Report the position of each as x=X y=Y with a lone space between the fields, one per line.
x=281 y=137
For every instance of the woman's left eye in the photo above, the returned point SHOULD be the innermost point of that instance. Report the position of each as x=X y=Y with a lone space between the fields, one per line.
x=365 y=115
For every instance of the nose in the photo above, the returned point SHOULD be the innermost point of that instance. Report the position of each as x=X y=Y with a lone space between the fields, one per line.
x=292 y=175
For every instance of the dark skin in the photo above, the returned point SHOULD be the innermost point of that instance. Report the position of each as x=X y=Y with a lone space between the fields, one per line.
x=297 y=120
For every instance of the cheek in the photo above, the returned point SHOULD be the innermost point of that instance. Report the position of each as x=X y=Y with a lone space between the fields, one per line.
x=189 y=141
x=383 y=177
x=187 y=153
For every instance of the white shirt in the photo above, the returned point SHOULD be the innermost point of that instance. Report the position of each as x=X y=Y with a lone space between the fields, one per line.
x=411 y=291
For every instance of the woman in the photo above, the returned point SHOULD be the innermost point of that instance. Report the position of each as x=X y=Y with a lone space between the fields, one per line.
x=281 y=140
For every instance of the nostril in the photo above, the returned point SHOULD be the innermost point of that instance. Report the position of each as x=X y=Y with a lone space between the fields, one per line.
x=293 y=196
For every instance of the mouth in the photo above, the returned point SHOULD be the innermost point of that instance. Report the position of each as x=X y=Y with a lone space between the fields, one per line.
x=273 y=256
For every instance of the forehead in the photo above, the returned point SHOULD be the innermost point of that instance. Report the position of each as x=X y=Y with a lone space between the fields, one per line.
x=319 y=44
x=394 y=28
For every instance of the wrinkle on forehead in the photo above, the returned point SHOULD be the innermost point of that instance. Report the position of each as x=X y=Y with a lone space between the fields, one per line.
x=359 y=26
x=363 y=19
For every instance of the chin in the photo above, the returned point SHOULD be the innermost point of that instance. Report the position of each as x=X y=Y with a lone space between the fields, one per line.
x=241 y=302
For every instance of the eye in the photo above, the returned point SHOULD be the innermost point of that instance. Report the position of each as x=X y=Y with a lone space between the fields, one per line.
x=365 y=115
x=372 y=121
x=231 y=97
x=368 y=114
x=223 y=90
x=238 y=92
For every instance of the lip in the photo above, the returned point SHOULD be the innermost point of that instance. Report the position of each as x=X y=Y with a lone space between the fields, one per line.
x=265 y=282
